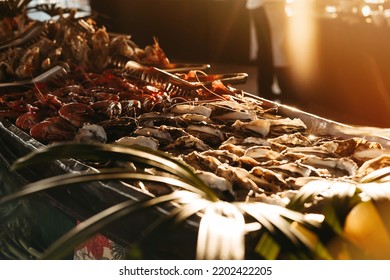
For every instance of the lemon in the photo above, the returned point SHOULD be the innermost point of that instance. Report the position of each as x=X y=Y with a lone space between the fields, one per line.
x=364 y=227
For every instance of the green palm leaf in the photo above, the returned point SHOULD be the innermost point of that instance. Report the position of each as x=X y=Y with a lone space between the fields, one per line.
x=82 y=178
x=274 y=217
x=213 y=243
x=96 y=223
x=307 y=194
x=279 y=233
x=334 y=198
x=221 y=232
x=102 y=152
x=268 y=247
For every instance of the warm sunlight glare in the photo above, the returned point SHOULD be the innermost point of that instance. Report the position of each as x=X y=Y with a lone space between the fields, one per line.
x=302 y=39
x=221 y=233
x=366 y=11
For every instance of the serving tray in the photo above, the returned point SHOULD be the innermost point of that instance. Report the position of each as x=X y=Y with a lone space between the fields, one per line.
x=82 y=202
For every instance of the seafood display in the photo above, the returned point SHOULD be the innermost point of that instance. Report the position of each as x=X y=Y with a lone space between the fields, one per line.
x=68 y=41
x=13 y=19
x=243 y=147
x=239 y=146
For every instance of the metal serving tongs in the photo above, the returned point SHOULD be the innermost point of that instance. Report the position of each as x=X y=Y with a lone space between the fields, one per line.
x=120 y=61
x=184 y=67
x=172 y=83
x=55 y=74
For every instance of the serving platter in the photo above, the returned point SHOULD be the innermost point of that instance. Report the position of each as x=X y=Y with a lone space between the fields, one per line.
x=82 y=202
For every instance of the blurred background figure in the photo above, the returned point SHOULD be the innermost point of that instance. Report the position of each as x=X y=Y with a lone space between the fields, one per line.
x=270 y=29
x=263 y=44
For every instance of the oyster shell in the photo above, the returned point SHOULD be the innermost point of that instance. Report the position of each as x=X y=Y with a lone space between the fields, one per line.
x=247 y=162
x=210 y=134
x=286 y=126
x=156 y=119
x=158 y=133
x=258 y=126
x=248 y=141
x=291 y=140
x=164 y=134
x=237 y=150
x=262 y=153
x=292 y=169
x=357 y=147
x=139 y=140
x=364 y=155
x=331 y=167
x=372 y=165
x=187 y=142
x=201 y=162
x=223 y=156
x=195 y=118
x=181 y=109
x=231 y=111
x=301 y=152
x=267 y=180
x=91 y=133
x=226 y=106
x=240 y=178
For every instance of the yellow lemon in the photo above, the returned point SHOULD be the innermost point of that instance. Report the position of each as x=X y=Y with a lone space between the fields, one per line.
x=365 y=228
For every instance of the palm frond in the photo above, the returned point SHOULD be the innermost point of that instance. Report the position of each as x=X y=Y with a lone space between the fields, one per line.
x=19 y=246
x=222 y=228
x=221 y=232
x=307 y=194
x=343 y=197
x=96 y=223
x=277 y=221
x=86 y=177
x=268 y=247
x=102 y=152
x=77 y=180
x=334 y=198
x=188 y=205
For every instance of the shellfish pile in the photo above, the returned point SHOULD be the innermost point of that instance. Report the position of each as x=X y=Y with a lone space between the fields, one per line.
x=239 y=145
x=247 y=152
x=68 y=41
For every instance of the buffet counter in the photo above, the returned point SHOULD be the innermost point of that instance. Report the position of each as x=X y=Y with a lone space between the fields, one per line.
x=165 y=161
